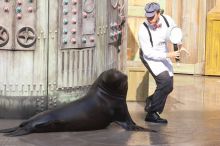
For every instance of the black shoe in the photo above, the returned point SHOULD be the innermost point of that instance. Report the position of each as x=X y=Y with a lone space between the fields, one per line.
x=148 y=105
x=155 y=118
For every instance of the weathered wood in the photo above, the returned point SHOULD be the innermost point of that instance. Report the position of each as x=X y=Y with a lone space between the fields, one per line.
x=212 y=43
x=137 y=81
x=192 y=20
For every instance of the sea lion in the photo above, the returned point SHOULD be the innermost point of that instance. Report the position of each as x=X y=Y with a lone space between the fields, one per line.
x=104 y=103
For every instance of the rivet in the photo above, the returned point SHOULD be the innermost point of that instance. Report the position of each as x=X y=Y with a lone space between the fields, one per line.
x=19 y=16
x=66 y=2
x=73 y=40
x=83 y=40
x=74 y=11
x=85 y=15
x=74 y=2
x=18 y=10
x=65 y=21
x=92 y=39
x=73 y=21
x=6 y=9
x=19 y=2
x=30 y=9
x=73 y=31
x=65 y=31
x=64 y=41
x=65 y=11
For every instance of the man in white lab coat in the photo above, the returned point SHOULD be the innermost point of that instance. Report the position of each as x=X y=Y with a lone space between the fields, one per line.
x=156 y=58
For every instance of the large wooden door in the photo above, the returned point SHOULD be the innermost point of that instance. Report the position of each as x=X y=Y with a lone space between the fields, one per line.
x=212 y=66
x=52 y=51
x=23 y=57
x=72 y=42
x=192 y=20
x=83 y=42
x=111 y=32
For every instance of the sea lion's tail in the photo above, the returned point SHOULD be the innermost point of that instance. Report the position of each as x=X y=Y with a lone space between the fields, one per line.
x=16 y=131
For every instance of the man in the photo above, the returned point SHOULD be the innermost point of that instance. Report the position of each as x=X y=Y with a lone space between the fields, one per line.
x=156 y=58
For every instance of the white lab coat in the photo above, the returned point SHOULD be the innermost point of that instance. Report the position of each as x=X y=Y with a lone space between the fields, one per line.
x=156 y=56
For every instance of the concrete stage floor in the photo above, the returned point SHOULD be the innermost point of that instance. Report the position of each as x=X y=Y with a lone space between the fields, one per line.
x=192 y=110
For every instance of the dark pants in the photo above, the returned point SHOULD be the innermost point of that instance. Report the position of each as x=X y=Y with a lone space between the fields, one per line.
x=164 y=84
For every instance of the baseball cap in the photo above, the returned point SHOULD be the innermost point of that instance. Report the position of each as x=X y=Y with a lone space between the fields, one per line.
x=151 y=8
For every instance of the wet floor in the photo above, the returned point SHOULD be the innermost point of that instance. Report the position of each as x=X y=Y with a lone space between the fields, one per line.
x=192 y=110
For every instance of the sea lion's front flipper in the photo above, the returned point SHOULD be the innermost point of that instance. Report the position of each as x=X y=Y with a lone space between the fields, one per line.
x=18 y=132
x=133 y=127
x=8 y=130
x=125 y=121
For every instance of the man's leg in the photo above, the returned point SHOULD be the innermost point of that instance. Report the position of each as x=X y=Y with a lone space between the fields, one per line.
x=155 y=103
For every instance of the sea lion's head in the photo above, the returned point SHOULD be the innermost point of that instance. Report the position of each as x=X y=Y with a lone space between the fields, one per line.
x=115 y=82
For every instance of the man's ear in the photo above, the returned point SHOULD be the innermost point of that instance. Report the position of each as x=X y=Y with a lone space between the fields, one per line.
x=161 y=11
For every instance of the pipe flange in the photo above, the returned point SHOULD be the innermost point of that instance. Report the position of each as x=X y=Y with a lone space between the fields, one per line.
x=26 y=37
x=4 y=36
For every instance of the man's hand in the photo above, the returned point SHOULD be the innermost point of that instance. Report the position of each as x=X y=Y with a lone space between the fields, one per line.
x=173 y=54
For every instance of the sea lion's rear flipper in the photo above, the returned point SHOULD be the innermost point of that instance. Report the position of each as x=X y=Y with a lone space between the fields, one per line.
x=18 y=132
x=8 y=130
x=133 y=127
